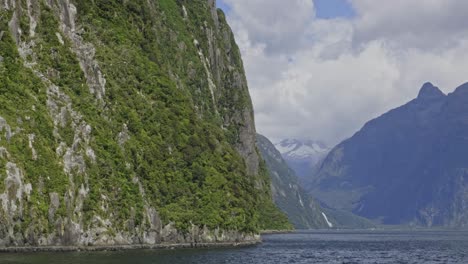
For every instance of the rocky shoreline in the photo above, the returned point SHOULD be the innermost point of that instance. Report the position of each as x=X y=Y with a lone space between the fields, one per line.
x=127 y=247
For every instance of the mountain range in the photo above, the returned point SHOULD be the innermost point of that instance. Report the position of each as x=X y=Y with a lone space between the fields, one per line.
x=408 y=166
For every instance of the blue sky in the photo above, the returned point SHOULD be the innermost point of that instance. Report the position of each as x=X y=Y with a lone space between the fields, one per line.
x=223 y=6
x=333 y=8
x=325 y=9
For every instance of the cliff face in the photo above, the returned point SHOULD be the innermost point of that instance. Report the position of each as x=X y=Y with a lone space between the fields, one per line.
x=125 y=122
x=408 y=166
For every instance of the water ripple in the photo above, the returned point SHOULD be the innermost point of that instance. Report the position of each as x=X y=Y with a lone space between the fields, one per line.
x=431 y=247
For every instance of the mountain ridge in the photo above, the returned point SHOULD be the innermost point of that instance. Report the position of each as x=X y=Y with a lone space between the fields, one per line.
x=404 y=167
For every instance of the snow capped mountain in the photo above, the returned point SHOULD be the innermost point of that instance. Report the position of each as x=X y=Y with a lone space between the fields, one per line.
x=302 y=149
x=302 y=155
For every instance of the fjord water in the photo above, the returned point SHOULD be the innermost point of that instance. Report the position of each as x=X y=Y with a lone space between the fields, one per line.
x=299 y=247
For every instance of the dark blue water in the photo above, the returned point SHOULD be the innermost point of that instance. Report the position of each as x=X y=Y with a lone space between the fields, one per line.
x=301 y=247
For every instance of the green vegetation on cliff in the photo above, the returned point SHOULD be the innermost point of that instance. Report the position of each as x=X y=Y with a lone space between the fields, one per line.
x=117 y=107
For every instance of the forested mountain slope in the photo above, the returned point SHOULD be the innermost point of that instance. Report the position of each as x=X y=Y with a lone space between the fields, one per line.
x=126 y=122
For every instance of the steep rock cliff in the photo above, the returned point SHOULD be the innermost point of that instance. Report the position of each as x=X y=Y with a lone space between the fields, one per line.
x=125 y=122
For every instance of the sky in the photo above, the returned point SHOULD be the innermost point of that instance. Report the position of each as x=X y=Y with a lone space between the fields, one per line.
x=320 y=69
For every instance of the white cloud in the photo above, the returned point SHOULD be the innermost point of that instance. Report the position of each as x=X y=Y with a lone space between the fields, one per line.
x=273 y=22
x=425 y=24
x=323 y=79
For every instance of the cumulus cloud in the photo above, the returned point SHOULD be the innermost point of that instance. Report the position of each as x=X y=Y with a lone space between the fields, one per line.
x=323 y=79
x=425 y=24
x=274 y=23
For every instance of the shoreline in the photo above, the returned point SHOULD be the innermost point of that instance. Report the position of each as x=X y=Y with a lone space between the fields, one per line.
x=127 y=247
x=272 y=232
x=163 y=246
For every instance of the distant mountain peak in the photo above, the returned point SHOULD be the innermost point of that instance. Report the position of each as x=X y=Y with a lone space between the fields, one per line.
x=429 y=91
x=302 y=155
x=301 y=148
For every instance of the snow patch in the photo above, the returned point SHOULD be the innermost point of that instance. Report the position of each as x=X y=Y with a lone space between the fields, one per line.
x=285 y=148
x=302 y=150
